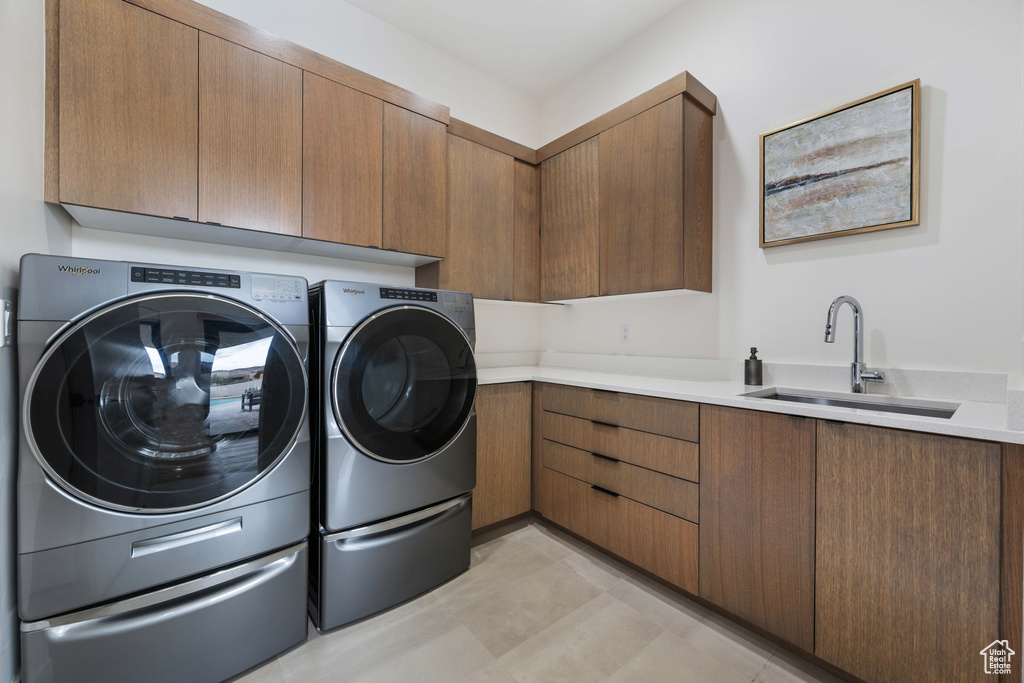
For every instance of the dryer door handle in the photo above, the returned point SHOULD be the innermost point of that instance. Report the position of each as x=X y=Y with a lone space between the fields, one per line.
x=176 y=540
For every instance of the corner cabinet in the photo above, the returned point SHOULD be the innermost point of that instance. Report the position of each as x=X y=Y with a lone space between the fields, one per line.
x=128 y=110
x=503 y=413
x=569 y=204
x=628 y=210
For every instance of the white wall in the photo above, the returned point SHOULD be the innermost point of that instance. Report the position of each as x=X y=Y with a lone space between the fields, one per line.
x=947 y=294
x=26 y=224
x=354 y=37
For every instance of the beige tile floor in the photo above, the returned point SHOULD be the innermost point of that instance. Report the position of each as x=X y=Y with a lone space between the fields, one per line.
x=538 y=605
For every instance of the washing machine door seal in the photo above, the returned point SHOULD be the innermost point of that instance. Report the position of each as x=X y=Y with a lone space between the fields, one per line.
x=165 y=402
x=403 y=384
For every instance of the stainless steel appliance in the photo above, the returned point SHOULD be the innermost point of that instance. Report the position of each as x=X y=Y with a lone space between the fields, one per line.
x=162 y=522
x=393 y=384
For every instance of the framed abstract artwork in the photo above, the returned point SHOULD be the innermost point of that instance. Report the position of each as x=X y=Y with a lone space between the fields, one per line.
x=856 y=168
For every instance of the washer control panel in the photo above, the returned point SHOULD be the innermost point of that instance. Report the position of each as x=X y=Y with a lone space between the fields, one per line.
x=194 y=278
x=270 y=288
x=407 y=294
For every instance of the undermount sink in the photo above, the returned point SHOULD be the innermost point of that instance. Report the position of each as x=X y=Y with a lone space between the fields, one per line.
x=885 y=404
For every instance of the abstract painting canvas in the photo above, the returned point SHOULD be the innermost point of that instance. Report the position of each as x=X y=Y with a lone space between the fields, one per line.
x=850 y=170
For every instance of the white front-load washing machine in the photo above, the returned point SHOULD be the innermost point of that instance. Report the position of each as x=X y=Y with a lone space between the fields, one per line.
x=392 y=386
x=164 y=470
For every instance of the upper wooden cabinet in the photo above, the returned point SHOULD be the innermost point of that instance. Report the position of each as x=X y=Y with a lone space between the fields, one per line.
x=526 y=259
x=415 y=178
x=757 y=518
x=493 y=243
x=503 y=438
x=908 y=553
x=480 y=242
x=250 y=139
x=342 y=163
x=569 y=223
x=655 y=207
x=629 y=209
x=128 y=109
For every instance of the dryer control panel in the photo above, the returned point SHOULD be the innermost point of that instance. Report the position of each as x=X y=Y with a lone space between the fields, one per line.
x=407 y=294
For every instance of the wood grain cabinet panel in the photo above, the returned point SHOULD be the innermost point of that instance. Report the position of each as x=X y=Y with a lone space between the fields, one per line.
x=503 y=453
x=415 y=181
x=660 y=453
x=569 y=219
x=250 y=139
x=669 y=494
x=481 y=230
x=526 y=261
x=342 y=163
x=662 y=544
x=656 y=200
x=668 y=417
x=129 y=119
x=641 y=201
x=536 y=453
x=757 y=519
x=908 y=553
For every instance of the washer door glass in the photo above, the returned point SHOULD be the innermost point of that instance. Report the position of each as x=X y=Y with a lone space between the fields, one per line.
x=404 y=384
x=166 y=402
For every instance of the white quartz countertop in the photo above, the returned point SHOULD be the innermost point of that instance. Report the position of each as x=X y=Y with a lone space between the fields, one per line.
x=973 y=419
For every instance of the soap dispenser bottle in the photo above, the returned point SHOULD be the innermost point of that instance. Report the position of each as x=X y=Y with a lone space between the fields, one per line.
x=752 y=375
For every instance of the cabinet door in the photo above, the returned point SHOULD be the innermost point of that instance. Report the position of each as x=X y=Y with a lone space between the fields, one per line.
x=526 y=263
x=907 y=571
x=641 y=201
x=414 y=182
x=502 y=453
x=478 y=257
x=129 y=121
x=757 y=519
x=342 y=136
x=250 y=139
x=569 y=223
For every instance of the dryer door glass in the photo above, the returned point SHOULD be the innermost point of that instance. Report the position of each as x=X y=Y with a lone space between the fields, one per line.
x=166 y=402
x=404 y=384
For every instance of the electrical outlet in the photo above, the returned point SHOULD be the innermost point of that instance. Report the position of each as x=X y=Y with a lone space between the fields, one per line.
x=624 y=333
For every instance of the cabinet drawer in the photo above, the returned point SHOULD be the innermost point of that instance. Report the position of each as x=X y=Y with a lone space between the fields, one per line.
x=678 y=419
x=661 y=453
x=662 y=544
x=669 y=494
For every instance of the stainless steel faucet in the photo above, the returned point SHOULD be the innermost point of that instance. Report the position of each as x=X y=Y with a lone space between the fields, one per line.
x=858 y=376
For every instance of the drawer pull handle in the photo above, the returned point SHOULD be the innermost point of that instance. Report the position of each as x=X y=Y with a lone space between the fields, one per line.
x=796 y=417
x=605 y=391
x=834 y=422
x=604 y=491
x=605 y=457
x=604 y=424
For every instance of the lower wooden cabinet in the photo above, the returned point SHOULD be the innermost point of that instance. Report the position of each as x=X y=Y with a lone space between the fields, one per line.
x=757 y=519
x=662 y=544
x=502 y=453
x=908 y=553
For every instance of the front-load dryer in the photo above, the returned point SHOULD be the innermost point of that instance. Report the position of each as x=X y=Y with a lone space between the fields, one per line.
x=393 y=384
x=164 y=470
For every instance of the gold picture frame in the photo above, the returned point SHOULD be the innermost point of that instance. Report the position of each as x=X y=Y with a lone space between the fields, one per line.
x=845 y=171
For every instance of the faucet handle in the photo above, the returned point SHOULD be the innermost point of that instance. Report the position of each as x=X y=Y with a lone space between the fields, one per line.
x=873 y=376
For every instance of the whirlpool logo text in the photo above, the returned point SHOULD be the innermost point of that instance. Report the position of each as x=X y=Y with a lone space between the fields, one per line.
x=353 y=292
x=78 y=270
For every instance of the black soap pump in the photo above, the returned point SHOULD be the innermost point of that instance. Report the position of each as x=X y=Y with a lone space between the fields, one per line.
x=752 y=375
